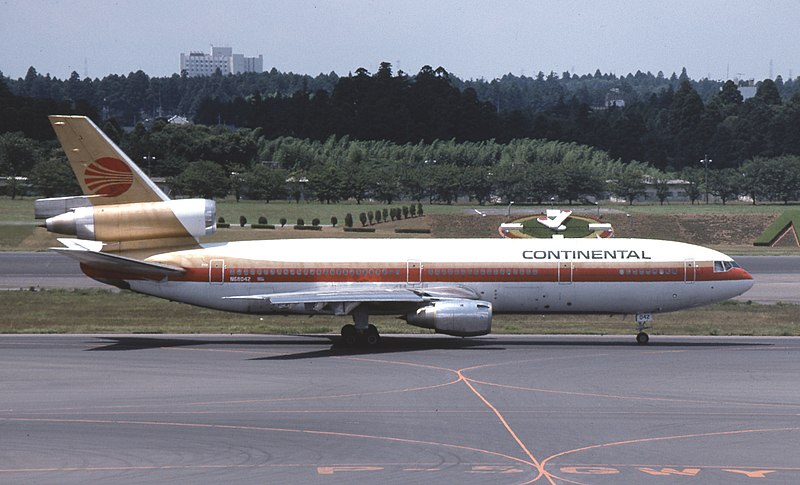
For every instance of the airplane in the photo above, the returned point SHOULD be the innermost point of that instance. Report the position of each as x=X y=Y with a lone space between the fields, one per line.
x=131 y=235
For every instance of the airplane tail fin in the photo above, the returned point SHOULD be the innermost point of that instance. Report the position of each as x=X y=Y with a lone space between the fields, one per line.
x=105 y=173
x=121 y=207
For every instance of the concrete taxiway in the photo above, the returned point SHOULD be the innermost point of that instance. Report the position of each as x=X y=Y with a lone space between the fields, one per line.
x=421 y=409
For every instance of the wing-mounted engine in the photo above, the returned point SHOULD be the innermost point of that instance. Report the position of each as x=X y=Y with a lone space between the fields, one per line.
x=462 y=318
x=138 y=221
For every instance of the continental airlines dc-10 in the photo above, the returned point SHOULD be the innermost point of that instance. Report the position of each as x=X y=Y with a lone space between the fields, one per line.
x=131 y=235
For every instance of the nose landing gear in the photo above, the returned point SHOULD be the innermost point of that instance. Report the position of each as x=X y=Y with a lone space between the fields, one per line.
x=642 y=319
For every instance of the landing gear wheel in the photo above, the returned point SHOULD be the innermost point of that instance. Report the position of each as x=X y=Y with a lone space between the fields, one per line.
x=642 y=338
x=349 y=334
x=371 y=336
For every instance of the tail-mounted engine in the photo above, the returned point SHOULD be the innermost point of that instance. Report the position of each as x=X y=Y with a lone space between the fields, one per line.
x=138 y=221
x=462 y=318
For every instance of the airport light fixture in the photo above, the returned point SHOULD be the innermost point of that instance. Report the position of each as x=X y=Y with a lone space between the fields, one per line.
x=149 y=161
x=705 y=161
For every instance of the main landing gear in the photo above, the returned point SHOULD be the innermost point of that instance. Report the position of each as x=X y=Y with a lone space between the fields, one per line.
x=642 y=319
x=352 y=336
x=360 y=332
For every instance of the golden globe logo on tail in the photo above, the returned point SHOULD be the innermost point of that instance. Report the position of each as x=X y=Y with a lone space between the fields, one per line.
x=108 y=176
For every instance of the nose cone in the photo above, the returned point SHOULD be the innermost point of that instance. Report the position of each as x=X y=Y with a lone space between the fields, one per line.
x=742 y=279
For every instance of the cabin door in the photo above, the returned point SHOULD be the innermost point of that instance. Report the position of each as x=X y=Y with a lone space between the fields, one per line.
x=413 y=272
x=689 y=271
x=565 y=272
x=216 y=271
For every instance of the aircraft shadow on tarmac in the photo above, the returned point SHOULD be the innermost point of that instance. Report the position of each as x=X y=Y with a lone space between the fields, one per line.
x=332 y=346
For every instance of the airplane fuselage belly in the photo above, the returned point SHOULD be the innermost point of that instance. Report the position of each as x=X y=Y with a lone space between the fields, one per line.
x=538 y=297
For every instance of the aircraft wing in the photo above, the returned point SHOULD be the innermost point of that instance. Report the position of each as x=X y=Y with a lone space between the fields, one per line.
x=87 y=252
x=377 y=295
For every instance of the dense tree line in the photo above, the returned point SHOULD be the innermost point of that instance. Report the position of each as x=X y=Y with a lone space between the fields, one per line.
x=133 y=97
x=670 y=129
x=216 y=162
x=390 y=135
x=668 y=121
x=367 y=107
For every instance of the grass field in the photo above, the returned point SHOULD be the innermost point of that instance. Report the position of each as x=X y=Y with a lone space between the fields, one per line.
x=104 y=311
x=730 y=228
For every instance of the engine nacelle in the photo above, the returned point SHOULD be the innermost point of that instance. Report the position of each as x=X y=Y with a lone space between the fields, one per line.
x=462 y=318
x=133 y=222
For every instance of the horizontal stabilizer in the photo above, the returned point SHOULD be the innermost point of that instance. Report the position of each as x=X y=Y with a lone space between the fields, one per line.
x=86 y=252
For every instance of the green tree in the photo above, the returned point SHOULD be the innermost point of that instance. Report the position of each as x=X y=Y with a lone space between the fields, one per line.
x=662 y=189
x=772 y=178
x=54 y=177
x=725 y=183
x=694 y=178
x=476 y=183
x=385 y=183
x=629 y=184
x=203 y=179
x=17 y=156
x=265 y=183
x=327 y=183
x=684 y=116
x=444 y=181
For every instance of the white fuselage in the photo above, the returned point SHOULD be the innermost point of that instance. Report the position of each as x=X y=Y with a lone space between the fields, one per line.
x=514 y=275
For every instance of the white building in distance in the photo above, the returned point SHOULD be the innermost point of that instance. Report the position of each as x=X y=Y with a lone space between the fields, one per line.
x=222 y=58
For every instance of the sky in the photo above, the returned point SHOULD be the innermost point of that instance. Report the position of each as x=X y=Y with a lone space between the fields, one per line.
x=471 y=39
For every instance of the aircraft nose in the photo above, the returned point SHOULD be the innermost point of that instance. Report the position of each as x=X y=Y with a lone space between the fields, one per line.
x=744 y=278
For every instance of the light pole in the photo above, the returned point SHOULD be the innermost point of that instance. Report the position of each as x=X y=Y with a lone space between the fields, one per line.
x=509 y=208
x=705 y=161
x=149 y=161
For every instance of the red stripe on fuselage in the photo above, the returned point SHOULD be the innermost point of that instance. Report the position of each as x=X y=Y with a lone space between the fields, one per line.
x=435 y=274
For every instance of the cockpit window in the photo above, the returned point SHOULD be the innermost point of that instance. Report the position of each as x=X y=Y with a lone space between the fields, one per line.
x=722 y=266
